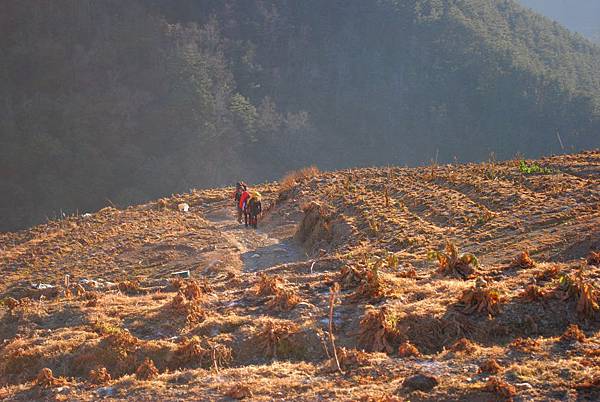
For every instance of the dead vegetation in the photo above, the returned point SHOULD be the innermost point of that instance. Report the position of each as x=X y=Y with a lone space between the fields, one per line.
x=500 y=388
x=480 y=299
x=575 y=287
x=227 y=332
x=523 y=261
x=377 y=331
x=291 y=179
x=46 y=379
x=451 y=263
x=147 y=370
x=274 y=339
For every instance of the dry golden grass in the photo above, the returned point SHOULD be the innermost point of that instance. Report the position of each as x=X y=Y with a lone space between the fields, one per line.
x=291 y=179
x=266 y=337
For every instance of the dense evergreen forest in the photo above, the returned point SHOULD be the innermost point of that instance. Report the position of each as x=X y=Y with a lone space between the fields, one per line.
x=582 y=16
x=119 y=102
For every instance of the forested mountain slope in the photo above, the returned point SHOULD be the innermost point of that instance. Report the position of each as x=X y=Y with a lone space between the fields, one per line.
x=114 y=102
x=582 y=16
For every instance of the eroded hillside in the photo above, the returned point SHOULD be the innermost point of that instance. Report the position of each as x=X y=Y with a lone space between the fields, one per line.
x=455 y=282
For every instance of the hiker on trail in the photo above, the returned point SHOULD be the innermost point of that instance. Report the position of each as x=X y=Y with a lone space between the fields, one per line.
x=254 y=208
x=243 y=205
x=240 y=187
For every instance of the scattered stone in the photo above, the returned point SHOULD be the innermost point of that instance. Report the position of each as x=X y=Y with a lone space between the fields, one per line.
x=181 y=274
x=420 y=382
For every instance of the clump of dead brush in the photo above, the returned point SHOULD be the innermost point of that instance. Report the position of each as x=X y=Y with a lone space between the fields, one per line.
x=575 y=287
x=573 y=334
x=130 y=287
x=99 y=376
x=489 y=366
x=407 y=349
x=351 y=358
x=533 y=293
x=147 y=370
x=291 y=179
x=377 y=331
x=283 y=300
x=371 y=286
x=501 y=388
x=193 y=351
x=192 y=289
x=91 y=298
x=594 y=258
x=275 y=337
x=451 y=263
x=46 y=379
x=523 y=260
x=239 y=391
x=525 y=345
x=268 y=285
x=548 y=273
x=13 y=304
x=189 y=308
x=463 y=345
x=481 y=299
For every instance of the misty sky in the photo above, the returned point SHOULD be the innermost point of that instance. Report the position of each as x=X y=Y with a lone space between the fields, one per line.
x=582 y=16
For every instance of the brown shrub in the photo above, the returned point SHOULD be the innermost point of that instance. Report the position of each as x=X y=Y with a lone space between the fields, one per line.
x=583 y=292
x=130 y=287
x=548 y=273
x=377 y=331
x=192 y=290
x=147 y=370
x=268 y=285
x=407 y=349
x=525 y=345
x=523 y=260
x=451 y=263
x=190 y=309
x=239 y=391
x=352 y=358
x=594 y=258
x=573 y=334
x=283 y=300
x=533 y=293
x=481 y=299
x=99 y=376
x=463 y=345
x=274 y=337
x=293 y=178
x=46 y=379
x=489 y=366
x=372 y=285
x=501 y=388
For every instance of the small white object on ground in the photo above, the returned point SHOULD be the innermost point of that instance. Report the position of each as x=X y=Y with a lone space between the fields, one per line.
x=183 y=207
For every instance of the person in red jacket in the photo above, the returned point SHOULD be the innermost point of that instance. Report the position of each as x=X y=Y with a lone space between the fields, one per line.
x=243 y=205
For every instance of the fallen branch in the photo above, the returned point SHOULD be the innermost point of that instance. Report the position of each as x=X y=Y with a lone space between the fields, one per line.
x=332 y=292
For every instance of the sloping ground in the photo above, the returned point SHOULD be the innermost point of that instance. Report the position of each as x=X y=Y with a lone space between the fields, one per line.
x=522 y=323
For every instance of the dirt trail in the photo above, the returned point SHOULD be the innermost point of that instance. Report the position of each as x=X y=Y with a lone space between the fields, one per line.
x=258 y=249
